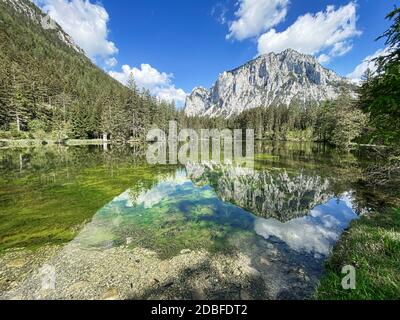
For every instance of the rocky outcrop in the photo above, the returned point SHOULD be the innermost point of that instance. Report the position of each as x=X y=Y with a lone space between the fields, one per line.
x=271 y=79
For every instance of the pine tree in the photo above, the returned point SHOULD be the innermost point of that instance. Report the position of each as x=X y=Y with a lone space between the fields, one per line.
x=4 y=96
x=19 y=103
x=380 y=93
x=133 y=104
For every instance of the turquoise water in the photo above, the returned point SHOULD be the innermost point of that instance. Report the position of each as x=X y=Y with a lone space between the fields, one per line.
x=178 y=214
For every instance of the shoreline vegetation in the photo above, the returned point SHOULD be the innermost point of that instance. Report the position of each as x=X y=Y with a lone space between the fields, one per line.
x=372 y=246
x=28 y=143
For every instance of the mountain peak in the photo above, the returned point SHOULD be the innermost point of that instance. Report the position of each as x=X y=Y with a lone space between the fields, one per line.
x=290 y=51
x=295 y=55
x=270 y=79
x=286 y=53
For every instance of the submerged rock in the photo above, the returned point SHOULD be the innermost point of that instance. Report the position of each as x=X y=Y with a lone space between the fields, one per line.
x=109 y=275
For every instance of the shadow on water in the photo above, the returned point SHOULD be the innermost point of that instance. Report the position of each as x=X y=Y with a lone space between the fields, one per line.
x=219 y=288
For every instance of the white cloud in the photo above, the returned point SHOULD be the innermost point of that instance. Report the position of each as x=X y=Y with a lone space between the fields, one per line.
x=341 y=48
x=324 y=58
x=85 y=22
x=219 y=12
x=147 y=77
x=171 y=94
x=367 y=63
x=111 y=62
x=257 y=16
x=314 y=233
x=326 y=33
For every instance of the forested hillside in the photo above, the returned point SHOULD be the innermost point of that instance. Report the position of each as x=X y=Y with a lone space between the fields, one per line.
x=50 y=88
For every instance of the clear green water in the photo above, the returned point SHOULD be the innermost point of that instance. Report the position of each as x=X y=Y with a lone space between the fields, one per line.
x=298 y=199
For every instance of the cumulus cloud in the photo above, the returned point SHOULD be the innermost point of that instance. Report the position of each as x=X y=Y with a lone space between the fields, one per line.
x=256 y=16
x=147 y=77
x=171 y=93
x=85 y=22
x=367 y=63
x=327 y=33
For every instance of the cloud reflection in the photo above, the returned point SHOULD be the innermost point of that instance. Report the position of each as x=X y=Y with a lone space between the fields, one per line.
x=316 y=233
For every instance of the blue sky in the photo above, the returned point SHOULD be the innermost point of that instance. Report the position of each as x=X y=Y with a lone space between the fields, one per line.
x=172 y=46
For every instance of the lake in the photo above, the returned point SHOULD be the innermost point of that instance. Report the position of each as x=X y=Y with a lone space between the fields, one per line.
x=100 y=223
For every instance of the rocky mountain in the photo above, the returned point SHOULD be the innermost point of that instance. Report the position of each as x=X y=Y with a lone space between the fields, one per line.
x=270 y=79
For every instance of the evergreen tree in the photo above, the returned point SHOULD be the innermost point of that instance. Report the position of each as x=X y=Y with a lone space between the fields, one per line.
x=347 y=121
x=380 y=93
x=133 y=105
x=60 y=87
x=19 y=103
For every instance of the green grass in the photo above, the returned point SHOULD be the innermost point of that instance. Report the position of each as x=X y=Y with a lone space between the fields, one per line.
x=372 y=246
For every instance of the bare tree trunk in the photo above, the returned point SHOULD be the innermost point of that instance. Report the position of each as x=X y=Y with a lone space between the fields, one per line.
x=18 y=123
x=105 y=141
x=21 y=163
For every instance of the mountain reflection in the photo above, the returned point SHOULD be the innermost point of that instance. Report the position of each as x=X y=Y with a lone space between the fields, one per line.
x=267 y=194
x=213 y=206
